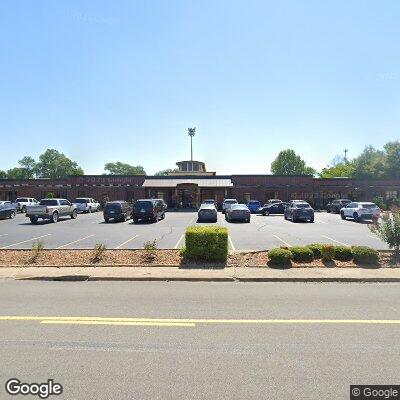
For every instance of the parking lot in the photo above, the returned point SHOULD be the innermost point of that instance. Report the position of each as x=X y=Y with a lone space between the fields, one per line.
x=264 y=232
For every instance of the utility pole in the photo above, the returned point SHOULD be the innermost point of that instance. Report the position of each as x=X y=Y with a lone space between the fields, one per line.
x=191 y=133
x=345 y=155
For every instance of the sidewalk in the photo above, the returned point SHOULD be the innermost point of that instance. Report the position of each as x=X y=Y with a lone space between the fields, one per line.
x=211 y=275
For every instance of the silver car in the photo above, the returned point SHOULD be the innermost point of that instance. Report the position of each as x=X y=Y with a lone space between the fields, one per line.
x=207 y=212
x=227 y=203
x=238 y=212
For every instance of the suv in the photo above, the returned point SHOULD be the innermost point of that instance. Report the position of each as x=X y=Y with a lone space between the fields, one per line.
x=117 y=210
x=253 y=206
x=336 y=205
x=360 y=210
x=86 y=204
x=148 y=209
x=22 y=202
x=227 y=203
x=299 y=210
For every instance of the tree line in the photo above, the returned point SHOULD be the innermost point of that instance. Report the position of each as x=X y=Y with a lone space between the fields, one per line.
x=370 y=163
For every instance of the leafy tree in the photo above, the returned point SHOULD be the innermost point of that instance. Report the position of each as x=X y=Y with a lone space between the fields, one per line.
x=29 y=164
x=3 y=174
x=17 y=173
x=54 y=165
x=339 y=167
x=370 y=163
x=120 y=168
x=392 y=153
x=165 y=172
x=289 y=163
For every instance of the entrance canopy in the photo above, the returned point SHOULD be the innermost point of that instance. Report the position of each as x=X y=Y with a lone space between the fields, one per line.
x=171 y=183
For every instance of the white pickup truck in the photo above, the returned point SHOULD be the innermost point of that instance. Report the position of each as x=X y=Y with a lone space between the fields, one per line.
x=51 y=209
x=86 y=204
x=21 y=203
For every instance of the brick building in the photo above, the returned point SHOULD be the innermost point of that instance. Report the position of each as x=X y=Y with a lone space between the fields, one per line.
x=192 y=184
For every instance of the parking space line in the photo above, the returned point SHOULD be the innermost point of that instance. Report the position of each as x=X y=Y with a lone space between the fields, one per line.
x=179 y=241
x=127 y=241
x=231 y=243
x=337 y=241
x=75 y=241
x=25 y=241
x=285 y=243
x=4 y=234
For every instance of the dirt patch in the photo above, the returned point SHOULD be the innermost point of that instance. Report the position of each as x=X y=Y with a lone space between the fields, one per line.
x=138 y=258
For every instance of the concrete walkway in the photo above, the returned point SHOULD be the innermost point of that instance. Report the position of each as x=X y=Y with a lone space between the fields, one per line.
x=227 y=274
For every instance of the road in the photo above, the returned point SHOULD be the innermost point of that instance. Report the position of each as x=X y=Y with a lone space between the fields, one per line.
x=264 y=232
x=154 y=340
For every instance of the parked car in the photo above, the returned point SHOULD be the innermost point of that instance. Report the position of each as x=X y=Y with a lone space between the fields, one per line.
x=227 y=203
x=207 y=212
x=299 y=210
x=165 y=205
x=253 y=206
x=148 y=209
x=238 y=212
x=273 y=201
x=7 y=210
x=360 y=211
x=86 y=204
x=273 y=208
x=335 y=206
x=51 y=209
x=118 y=210
x=210 y=201
x=22 y=202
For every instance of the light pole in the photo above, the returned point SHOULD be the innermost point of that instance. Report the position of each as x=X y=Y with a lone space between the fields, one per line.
x=191 y=133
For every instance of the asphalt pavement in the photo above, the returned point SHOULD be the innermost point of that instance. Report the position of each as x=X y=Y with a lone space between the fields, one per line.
x=264 y=232
x=153 y=340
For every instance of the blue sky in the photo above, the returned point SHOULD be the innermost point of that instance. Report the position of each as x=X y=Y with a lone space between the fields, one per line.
x=123 y=80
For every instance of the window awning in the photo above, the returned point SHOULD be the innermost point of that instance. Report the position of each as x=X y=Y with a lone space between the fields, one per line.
x=219 y=182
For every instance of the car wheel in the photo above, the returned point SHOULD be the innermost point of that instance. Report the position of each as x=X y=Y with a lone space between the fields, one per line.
x=328 y=210
x=285 y=216
x=90 y=210
x=12 y=215
x=342 y=215
x=312 y=220
x=356 y=217
x=54 y=217
x=34 y=220
x=23 y=209
x=248 y=221
x=74 y=214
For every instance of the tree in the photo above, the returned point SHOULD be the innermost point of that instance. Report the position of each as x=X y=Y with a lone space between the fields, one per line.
x=167 y=171
x=339 y=167
x=17 y=173
x=3 y=174
x=392 y=153
x=289 y=163
x=370 y=163
x=120 y=168
x=29 y=164
x=55 y=165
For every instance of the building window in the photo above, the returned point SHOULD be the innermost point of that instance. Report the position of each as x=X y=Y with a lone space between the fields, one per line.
x=160 y=195
x=246 y=197
x=391 y=194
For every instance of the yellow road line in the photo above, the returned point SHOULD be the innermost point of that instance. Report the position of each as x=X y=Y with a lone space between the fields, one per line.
x=198 y=320
x=119 y=323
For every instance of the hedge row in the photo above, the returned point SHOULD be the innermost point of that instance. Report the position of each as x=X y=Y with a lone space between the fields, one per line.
x=359 y=254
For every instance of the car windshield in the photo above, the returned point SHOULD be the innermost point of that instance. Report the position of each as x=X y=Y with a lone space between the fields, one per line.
x=81 y=201
x=48 y=202
x=302 y=205
x=230 y=201
x=239 y=207
x=112 y=206
x=144 y=205
x=370 y=205
x=22 y=200
x=207 y=206
x=254 y=203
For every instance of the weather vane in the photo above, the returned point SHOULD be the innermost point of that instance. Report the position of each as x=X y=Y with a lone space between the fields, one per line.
x=191 y=133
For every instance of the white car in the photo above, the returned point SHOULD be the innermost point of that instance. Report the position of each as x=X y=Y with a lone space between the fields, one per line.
x=227 y=203
x=86 y=204
x=22 y=202
x=360 y=211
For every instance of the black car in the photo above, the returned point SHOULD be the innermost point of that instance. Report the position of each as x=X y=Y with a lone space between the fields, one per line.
x=299 y=210
x=148 y=210
x=336 y=205
x=273 y=208
x=7 y=210
x=117 y=210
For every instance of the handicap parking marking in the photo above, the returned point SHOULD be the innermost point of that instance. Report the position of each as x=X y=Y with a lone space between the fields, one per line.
x=337 y=241
x=126 y=242
x=285 y=243
x=25 y=241
x=75 y=241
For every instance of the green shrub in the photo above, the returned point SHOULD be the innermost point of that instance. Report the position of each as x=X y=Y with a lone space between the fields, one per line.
x=365 y=255
x=280 y=257
x=343 y=253
x=328 y=252
x=206 y=243
x=302 y=254
x=316 y=248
